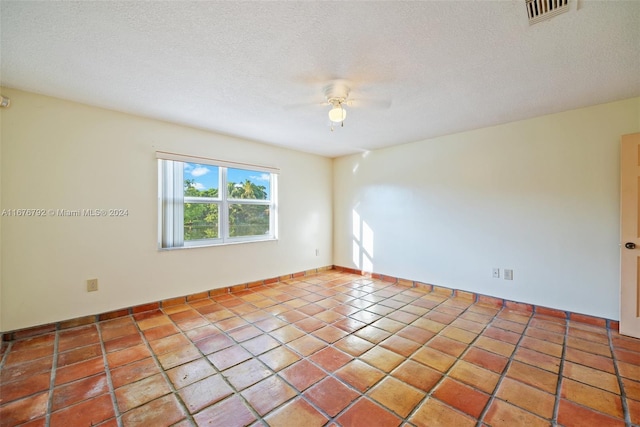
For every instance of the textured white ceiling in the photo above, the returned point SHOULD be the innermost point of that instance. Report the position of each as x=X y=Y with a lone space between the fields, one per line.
x=236 y=67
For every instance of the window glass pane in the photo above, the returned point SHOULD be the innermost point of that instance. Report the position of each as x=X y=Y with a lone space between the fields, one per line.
x=248 y=184
x=248 y=220
x=201 y=180
x=201 y=221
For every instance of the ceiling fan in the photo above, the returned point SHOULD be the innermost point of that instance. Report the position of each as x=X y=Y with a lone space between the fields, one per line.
x=336 y=94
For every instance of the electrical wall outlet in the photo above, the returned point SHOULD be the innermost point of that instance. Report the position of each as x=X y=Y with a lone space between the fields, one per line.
x=496 y=273
x=508 y=274
x=317 y=252
x=92 y=285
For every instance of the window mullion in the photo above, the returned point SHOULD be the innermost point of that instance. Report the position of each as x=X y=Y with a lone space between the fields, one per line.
x=191 y=199
x=249 y=201
x=224 y=205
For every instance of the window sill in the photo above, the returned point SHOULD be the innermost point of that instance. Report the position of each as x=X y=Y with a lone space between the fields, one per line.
x=207 y=244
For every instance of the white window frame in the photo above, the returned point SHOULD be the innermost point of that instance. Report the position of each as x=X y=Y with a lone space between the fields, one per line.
x=171 y=202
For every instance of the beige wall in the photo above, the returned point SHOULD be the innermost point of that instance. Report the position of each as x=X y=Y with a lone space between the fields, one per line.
x=63 y=155
x=538 y=196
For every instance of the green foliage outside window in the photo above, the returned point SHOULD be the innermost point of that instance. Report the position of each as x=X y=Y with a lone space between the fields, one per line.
x=201 y=220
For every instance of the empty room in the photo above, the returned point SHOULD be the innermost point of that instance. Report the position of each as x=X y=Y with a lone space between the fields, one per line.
x=320 y=213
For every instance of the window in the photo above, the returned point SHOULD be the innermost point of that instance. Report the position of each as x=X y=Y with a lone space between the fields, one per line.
x=206 y=202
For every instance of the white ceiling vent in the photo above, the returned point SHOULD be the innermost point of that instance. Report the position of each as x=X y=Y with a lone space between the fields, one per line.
x=539 y=10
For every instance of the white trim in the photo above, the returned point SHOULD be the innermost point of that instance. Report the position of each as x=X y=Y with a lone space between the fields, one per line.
x=164 y=155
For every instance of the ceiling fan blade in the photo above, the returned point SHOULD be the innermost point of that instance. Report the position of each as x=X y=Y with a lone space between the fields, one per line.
x=304 y=105
x=369 y=103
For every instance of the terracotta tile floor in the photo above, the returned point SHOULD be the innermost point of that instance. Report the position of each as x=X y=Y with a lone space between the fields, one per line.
x=331 y=349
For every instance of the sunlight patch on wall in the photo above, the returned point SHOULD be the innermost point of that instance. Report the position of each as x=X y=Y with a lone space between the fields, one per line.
x=357 y=165
x=362 y=247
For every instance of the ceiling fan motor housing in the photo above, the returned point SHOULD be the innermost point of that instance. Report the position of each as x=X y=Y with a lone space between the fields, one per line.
x=336 y=92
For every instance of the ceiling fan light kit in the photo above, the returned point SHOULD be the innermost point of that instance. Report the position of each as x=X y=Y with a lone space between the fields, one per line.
x=337 y=114
x=336 y=94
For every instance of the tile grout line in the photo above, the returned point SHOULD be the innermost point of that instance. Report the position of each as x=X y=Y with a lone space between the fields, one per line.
x=52 y=380
x=493 y=397
x=4 y=357
x=332 y=419
x=386 y=374
x=300 y=394
x=307 y=358
x=504 y=370
x=445 y=374
x=389 y=374
x=166 y=378
x=236 y=392
x=556 y=403
x=107 y=370
x=623 y=395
